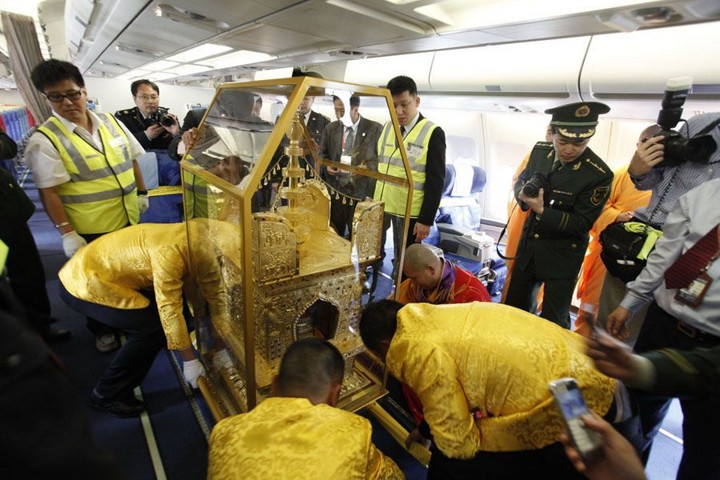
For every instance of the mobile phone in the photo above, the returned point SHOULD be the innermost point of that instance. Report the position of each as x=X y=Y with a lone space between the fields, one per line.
x=571 y=405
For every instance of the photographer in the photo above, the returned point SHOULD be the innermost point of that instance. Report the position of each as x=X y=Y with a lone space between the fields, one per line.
x=566 y=185
x=151 y=124
x=153 y=127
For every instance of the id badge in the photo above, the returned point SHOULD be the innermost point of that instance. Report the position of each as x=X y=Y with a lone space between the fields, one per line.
x=693 y=294
x=346 y=159
x=413 y=150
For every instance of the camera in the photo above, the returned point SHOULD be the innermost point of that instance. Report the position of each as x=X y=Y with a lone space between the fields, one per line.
x=679 y=149
x=532 y=187
x=162 y=117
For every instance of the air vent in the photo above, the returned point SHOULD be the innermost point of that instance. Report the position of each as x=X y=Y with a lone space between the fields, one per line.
x=350 y=54
x=655 y=16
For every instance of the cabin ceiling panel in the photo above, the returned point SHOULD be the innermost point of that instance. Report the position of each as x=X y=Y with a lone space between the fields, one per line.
x=271 y=39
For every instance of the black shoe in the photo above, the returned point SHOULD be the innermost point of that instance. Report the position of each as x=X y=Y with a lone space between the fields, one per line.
x=124 y=408
x=55 y=335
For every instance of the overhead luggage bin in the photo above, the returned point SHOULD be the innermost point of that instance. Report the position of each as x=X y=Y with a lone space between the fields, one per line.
x=528 y=68
x=637 y=63
x=377 y=71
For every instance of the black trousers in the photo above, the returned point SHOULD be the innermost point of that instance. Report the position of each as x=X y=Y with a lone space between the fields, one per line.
x=701 y=417
x=26 y=275
x=548 y=462
x=144 y=339
x=522 y=292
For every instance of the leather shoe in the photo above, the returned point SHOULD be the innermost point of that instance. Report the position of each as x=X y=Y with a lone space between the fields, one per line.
x=123 y=408
x=106 y=342
x=55 y=335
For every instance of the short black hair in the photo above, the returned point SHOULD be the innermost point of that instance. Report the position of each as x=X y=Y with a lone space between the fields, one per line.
x=336 y=98
x=310 y=366
x=401 y=84
x=354 y=101
x=258 y=100
x=143 y=81
x=379 y=322
x=53 y=71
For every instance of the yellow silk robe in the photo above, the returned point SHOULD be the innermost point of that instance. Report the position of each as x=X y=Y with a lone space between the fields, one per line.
x=290 y=438
x=496 y=360
x=113 y=269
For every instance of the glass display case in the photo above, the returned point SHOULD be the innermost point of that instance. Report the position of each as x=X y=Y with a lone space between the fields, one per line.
x=268 y=265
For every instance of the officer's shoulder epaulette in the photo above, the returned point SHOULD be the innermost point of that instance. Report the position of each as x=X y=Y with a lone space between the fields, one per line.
x=598 y=166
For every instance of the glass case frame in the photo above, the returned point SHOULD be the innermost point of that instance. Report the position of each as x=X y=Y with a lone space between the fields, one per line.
x=237 y=233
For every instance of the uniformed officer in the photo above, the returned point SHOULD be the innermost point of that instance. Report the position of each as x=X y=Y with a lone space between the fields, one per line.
x=141 y=120
x=566 y=185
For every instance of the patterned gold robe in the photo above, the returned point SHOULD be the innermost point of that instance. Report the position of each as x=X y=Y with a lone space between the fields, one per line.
x=290 y=438
x=493 y=360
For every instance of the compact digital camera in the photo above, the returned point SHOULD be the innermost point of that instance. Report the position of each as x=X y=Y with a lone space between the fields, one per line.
x=679 y=149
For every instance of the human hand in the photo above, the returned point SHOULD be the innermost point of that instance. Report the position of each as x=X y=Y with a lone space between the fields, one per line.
x=143 y=202
x=618 y=458
x=415 y=437
x=648 y=154
x=612 y=357
x=624 y=217
x=421 y=232
x=173 y=129
x=72 y=242
x=536 y=204
x=189 y=138
x=192 y=370
x=616 y=323
x=333 y=171
x=154 y=131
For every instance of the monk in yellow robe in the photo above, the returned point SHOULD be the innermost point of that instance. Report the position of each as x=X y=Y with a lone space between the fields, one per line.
x=133 y=280
x=298 y=433
x=482 y=371
x=624 y=199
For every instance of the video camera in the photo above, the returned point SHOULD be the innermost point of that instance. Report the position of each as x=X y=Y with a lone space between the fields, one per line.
x=162 y=117
x=679 y=149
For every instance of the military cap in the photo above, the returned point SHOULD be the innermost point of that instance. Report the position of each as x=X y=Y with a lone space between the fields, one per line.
x=577 y=120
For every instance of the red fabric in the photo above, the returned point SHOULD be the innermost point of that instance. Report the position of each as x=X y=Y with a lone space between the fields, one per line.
x=691 y=263
x=467 y=288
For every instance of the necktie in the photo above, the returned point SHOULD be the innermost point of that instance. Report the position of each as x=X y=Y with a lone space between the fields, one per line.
x=691 y=263
x=349 y=139
x=402 y=131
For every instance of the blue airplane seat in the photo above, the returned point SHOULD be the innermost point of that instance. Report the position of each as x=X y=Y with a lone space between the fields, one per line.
x=457 y=229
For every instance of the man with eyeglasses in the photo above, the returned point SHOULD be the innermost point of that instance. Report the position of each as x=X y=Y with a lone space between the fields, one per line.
x=153 y=127
x=84 y=166
x=142 y=120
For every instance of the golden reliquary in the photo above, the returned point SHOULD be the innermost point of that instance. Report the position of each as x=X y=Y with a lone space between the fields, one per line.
x=268 y=266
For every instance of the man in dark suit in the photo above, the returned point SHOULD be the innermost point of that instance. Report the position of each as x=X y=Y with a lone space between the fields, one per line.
x=356 y=145
x=152 y=132
x=192 y=120
x=565 y=185
x=141 y=120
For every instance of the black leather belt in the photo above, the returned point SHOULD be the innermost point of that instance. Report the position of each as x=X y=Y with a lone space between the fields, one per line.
x=695 y=333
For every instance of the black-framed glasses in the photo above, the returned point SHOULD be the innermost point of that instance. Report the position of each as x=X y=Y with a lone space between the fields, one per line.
x=71 y=95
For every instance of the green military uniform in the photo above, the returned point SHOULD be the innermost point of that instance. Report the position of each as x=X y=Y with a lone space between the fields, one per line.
x=694 y=373
x=552 y=246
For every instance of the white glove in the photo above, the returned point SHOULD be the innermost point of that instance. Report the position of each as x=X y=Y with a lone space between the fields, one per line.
x=72 y=242
x=143 y=203
x=193 y=370
x=222 y=359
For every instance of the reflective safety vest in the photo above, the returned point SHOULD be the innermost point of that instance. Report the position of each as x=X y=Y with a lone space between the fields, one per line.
x=390 y=163
x=195 y=196
x=101 y=195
